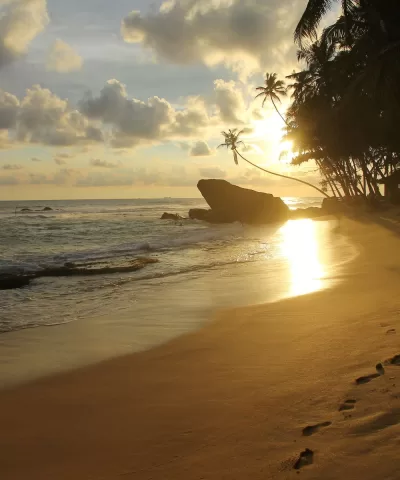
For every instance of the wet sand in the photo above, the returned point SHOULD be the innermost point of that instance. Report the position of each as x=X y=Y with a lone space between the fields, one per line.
x=241 y=398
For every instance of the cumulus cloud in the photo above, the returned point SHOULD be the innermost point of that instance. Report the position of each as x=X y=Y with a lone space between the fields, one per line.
x=11 y=166
x=200 y=149
x=8 y=110
x=253 y=33
x=20 y=22
x=35 y=159
x=134 y=121
x=97 y=162
x=212 y=172
x=114 y=118
x=45 y=118
x=62 y=58
x=229 y=100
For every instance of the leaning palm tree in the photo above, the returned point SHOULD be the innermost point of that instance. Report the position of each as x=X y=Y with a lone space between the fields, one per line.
x=272 y=89
x=232 y=141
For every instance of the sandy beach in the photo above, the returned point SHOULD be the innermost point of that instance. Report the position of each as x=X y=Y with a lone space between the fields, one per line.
x=231 y=400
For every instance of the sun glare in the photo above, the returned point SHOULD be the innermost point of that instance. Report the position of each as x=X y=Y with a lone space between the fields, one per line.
x=286 y=151
x=300 y=247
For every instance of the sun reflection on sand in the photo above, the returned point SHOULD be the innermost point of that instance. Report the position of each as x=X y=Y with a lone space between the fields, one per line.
x=301 y=247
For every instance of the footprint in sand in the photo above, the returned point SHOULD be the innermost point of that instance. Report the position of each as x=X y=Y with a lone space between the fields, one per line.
x=391 y=331
x=393 y=361
x=379 y=371
x=310 y=429
x=347 y=405
x=306 y=458
x=367 y=378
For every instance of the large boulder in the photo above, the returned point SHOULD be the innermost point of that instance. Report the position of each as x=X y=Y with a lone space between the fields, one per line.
x=230 y=203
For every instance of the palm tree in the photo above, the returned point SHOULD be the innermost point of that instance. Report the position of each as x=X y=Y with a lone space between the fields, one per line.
x=232 y=141
x=272 y=89
x=382 y=15
x=312 y=16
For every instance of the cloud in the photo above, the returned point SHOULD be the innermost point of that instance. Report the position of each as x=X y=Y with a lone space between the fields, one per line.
x=8 y=110
x=229 y=100
x=61 y=177
x=10 y=166
x=251 y=33
x=62 y=58
x=115 y=119
x=135 y=122
x=100 y=179
x=45 y=118
x=9 y=180
x=96 y=162
x=59 y=161
x=212 y=172
x=257 y=114
x=35 y=159
x=200 y=149
x=20 y=22
x=64 y=155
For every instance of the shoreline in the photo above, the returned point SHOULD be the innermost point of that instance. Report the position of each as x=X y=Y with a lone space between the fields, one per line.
x=29 y=354
x=230 y=400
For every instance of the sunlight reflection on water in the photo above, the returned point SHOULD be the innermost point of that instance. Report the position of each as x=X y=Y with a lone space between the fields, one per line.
x=302 y=249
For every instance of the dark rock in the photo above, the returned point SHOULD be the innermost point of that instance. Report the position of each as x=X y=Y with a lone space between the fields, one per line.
x=9 y=282
x=199 y=214
x=230 y=203
x=47 y=209
x=26 y=210
x=171 y=216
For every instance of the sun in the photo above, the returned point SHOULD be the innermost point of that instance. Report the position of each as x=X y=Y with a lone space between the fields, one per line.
x=286 y=153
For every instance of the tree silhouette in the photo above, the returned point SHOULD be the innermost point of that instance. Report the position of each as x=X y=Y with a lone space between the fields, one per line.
x=272 y=90
x=232 y=141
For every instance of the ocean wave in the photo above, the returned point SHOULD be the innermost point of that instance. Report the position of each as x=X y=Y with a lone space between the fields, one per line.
x=182 y=239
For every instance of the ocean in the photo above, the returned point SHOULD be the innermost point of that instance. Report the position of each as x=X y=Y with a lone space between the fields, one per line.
x=198 y=269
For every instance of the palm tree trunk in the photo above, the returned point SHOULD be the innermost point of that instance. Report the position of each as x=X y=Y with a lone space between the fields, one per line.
x=278 y=112
x=284 y=176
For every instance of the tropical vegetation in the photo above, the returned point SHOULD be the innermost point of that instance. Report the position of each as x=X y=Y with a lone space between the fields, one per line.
x=345 y=110
x=344 y=113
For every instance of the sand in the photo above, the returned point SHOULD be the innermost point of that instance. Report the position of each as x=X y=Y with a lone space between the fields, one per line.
x=232 y=400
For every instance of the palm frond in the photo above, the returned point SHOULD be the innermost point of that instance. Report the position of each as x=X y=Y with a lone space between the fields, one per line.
x=311 y=18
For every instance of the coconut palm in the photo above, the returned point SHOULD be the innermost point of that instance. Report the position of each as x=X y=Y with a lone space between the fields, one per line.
x=381 y=15
x=313 y=14
x=232 y=141
x=272 y=90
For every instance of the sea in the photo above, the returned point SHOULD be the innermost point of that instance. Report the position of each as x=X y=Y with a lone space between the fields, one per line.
x=190 y=270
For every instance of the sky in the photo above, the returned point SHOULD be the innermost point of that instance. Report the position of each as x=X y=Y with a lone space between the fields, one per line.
x=127 y=99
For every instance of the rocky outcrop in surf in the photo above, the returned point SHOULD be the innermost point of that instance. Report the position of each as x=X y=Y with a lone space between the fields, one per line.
x=171 y=216
x=230 y=203
x=18 y=280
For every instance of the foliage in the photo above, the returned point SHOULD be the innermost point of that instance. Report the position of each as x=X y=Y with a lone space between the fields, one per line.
x=345 y=110
x=232 y=141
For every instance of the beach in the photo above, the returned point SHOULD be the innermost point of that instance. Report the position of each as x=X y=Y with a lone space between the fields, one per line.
x=232 y=399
